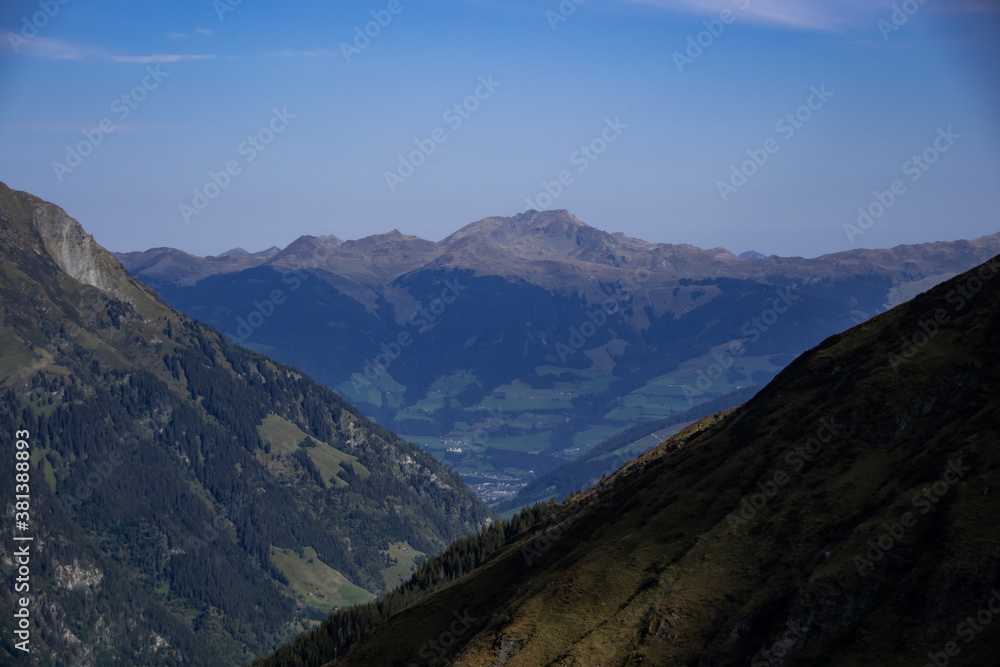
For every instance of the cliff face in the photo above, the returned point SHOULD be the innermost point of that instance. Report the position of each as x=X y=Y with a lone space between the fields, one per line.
x=74 y=250
x=63 y=239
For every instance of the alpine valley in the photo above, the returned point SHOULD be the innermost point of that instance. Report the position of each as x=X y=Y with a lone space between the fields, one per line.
x=517 y=345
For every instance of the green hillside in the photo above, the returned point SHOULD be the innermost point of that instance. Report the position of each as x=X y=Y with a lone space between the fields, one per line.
x=174 y=522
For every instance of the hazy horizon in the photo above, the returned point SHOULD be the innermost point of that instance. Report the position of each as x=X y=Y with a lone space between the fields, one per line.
x=632 y=114
x=735 y=251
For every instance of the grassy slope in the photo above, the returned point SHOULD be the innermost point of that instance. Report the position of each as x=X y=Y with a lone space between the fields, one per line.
x=651 y=570
x=405 y=557
x=285 y=437
x=320 y=585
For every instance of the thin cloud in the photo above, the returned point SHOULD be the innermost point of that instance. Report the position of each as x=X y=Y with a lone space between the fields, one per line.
x=819 y=15
x=51 y=49
x=318 y=53
x=163 y=58
x=204 y=31
x=822 y=15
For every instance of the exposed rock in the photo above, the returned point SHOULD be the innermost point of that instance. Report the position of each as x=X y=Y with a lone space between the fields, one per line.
x=73 y=249
x=76 y=577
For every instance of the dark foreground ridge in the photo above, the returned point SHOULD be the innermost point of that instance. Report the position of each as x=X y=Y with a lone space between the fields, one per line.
x=847 y=514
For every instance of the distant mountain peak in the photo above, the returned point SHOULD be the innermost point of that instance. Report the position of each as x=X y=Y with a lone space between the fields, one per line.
x=498 y=226
x=240 y=252
x=304 y=243
x=751 y=254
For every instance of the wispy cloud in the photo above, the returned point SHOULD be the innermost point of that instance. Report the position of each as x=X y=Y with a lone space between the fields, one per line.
x=204 y=32
x=51 y=49
x=317 y=53
x=163 y=58
x=823 y=15
x=820 y=15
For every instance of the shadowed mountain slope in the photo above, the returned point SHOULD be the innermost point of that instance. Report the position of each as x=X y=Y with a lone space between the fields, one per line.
x=848 y=514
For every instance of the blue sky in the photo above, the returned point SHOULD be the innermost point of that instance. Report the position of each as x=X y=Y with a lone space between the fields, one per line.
x=162 y=95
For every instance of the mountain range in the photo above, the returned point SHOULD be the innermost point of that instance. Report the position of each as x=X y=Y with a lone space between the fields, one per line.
x=516 y=345
x=181 y=499
x=848 y=514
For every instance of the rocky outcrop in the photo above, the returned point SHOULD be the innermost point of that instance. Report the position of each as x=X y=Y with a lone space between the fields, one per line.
x=76 y=577
x=73 y=249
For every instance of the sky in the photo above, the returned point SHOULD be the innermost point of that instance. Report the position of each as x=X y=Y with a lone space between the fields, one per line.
x=791 y=127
